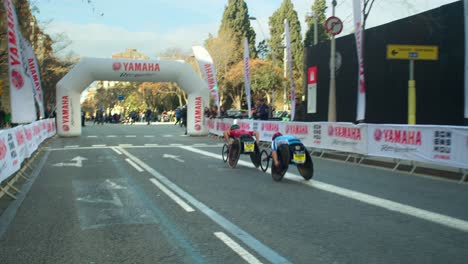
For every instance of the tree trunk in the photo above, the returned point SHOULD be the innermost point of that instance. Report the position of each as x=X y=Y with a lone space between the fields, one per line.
x=237 y=102
x=179 y=97
x=268 y=98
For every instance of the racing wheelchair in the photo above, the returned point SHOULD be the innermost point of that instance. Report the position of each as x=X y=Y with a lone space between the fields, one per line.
x=245 y=144
x=295 y=154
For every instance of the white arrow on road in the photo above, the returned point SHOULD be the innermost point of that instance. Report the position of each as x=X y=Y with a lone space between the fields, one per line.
x=78 y=162
x=174 y=157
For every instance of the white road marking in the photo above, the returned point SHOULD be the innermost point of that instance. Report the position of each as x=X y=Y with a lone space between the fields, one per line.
x=117 y=151
x=125 y=145
x=78 y=162
x=115 y=200
x=92 y=136
x=237 y=248
x=72 y=146
x=130 y=136
x=200 y=144
x=134 y=165
x=173 y=196
x=128 y=146
x=148 y=136
x=441 y=219
x=168 y=135
x=176 y=144
x=111 y=136
x=102 y=145
x=114 y=186
x=263 y=250
x=174 y=157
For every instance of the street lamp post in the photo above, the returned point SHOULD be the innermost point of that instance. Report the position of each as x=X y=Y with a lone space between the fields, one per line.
x=332 y=94
x=315 y=28
x=285 y=75
x=313 y=14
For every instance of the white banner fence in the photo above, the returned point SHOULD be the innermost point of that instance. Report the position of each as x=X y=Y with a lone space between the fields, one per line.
x=19 y=143
x=443 y=145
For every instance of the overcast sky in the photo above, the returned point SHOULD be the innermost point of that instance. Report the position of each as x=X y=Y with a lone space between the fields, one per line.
x=103 y=27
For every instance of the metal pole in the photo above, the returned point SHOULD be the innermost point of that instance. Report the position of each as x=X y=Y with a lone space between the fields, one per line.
x=332 y=94
x=285 y=74
x=315 y=28
x=411 y=95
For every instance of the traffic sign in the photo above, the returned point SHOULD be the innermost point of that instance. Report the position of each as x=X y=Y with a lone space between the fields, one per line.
x=334 y=25
x=412 y=52
x=121 y=97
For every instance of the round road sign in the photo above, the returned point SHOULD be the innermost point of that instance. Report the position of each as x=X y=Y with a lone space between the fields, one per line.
x=333 y=25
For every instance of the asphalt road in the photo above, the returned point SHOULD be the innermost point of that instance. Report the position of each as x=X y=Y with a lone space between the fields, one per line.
x=150 y=194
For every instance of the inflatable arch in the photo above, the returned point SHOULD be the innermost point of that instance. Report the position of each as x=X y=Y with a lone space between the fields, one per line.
x=88 y=70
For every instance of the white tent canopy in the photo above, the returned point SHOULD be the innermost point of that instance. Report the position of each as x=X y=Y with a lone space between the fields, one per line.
x=89 y=70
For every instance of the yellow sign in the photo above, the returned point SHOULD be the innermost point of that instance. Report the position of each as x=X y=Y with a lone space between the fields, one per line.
x=249 y=147
x=412 y=52
x=299 y=158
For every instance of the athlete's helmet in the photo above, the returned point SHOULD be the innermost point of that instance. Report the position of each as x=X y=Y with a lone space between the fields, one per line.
x=277 y=134
x=233 y=127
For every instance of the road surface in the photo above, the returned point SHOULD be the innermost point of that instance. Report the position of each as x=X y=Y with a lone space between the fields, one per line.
x=150 y=194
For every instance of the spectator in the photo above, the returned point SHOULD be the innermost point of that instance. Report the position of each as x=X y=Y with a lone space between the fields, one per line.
x=83 y=116
x=178 y=115
x=214 y=112
x=299 y=113
x=207 y=112
x=148 y=116
x=2 y=118
x=48 y=112
x=261 y=111
x=184 y=118
x=8 y=119
x=222 y=111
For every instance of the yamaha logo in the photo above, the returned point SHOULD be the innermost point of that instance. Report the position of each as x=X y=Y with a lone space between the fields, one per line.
x=378 y=134
x=330 y=130
x=17 y=79
x=116 y=66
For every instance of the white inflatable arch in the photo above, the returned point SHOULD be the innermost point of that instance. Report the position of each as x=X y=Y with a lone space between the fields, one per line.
x=88 y=70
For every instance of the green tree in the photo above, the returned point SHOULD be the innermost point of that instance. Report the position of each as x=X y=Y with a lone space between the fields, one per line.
x=223 y=50
x=264 y=80
x=262 y=49
x=236 y=23
x=133 y=102
x=276 y=44
x=318 y=9
x=276 y=23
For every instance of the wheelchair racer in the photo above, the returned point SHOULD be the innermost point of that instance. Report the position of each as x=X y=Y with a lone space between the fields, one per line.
x=280 y=139
x=235 y=132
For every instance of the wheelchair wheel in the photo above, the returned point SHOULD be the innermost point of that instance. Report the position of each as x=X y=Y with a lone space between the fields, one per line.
x=264 y=160
x=307 y=169
x=277 y=172
x=255 y=156
x=234 y=153
x=225 y=152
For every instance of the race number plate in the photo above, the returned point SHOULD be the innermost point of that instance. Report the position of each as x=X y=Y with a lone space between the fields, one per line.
x=249 y=147
x=299 y=158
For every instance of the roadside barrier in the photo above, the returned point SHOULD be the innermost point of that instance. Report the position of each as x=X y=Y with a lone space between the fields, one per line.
x=429 y=144
x=18 y=149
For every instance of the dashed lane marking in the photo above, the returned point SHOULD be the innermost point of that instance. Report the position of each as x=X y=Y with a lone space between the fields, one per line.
x=173 y=196
x=237 y=248
x=134 y=165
